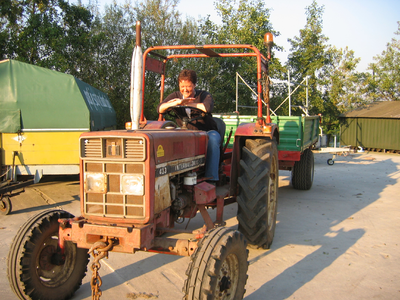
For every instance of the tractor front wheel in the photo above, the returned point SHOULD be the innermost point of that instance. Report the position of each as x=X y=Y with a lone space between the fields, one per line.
x=37 y=269
x=218 y=267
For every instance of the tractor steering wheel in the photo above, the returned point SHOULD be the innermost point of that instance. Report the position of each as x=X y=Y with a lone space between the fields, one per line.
x=173 y=111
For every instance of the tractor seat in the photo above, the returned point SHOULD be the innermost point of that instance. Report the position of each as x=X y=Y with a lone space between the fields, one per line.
x=221 y=128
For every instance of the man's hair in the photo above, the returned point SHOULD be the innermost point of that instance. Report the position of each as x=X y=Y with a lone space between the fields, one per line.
x=186 y=74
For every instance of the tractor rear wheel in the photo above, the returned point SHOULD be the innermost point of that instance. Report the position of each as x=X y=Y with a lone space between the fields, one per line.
x=36 y=267
x=258 y=192
x=218 y=267
x=303 y=171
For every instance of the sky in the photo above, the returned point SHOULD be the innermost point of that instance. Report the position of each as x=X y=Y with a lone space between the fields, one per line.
x=364 y=26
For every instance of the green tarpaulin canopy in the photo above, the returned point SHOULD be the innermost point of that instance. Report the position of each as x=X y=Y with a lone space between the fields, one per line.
x=38 y=99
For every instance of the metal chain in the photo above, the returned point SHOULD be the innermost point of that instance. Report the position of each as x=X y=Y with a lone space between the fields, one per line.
x=96 y=282
x=99 y=250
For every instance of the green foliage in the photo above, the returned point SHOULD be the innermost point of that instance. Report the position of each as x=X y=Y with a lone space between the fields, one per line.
x=308 y=51
x=113 y=37
x=310 y=56
x=386 y=72
x=97 y=48
x=162 y=25
x=242 y=22
x=334 y=84
x=49 y=33
x=113 y=40
x=346 y=87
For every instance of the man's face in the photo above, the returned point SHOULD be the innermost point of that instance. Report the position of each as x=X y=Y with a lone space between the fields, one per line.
x=186 y=87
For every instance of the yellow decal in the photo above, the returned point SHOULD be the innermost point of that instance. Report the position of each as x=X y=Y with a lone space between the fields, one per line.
x=160 y=151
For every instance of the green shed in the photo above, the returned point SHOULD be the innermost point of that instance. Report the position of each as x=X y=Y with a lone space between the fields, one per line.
x=375 y=126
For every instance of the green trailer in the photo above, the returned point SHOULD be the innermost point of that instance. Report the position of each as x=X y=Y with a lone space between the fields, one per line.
x=297 y=135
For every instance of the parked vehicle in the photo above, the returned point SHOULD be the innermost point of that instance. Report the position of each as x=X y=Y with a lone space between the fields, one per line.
x=136 y=183
x=42 y=114
x=297 y=135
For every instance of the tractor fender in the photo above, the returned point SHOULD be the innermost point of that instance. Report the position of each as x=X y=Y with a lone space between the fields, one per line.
x=253 y=130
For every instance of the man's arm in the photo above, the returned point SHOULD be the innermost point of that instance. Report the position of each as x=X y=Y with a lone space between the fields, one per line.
x=197 y=105
x=173 y=102
x=177 y=101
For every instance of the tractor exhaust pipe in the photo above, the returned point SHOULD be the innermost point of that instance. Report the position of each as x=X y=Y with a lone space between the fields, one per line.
x=136 y=80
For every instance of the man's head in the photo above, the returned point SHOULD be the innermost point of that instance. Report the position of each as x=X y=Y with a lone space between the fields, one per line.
x=187 y=80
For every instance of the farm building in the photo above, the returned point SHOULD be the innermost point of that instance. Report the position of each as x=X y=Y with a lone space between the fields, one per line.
x=42 y=115
x=374 y=127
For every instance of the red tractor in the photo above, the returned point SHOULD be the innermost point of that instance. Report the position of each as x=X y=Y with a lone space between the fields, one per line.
x=136 y=183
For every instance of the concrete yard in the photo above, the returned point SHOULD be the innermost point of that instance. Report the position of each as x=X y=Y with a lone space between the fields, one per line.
x=339 y=240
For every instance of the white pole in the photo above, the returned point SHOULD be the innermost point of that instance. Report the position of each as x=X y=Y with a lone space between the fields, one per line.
x=307 y=95
x=237 y=92
x=290 y=99
x=136 y=81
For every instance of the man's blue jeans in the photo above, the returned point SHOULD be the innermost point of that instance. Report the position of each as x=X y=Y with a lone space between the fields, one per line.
x=213 y=154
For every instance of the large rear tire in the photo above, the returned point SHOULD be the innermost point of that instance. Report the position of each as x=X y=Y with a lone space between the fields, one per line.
x=218 y=267
x=258 y=192
x=36 y=268
x=303 y=171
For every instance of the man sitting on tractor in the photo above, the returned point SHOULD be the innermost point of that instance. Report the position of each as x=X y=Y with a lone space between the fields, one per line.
x=199 y=118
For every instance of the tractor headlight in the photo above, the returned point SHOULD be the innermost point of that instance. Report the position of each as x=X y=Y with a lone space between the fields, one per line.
x=95 y=183
x=132 y=184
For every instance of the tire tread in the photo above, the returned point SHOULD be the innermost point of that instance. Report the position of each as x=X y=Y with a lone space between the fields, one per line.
x=255 y=168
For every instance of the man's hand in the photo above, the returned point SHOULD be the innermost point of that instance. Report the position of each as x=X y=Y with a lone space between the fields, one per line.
x=178 y=101
x=175 y=102
x=187 y=100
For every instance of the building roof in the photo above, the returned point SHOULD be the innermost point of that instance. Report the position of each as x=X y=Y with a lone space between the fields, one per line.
x=380 y=109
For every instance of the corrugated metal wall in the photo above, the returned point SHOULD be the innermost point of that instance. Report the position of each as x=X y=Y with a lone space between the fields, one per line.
x=370 y=133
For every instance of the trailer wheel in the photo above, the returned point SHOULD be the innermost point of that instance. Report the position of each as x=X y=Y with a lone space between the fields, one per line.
x=5 y=205
x=303 y=171
x=218 y=267
x=258 y=192
x=330 y=161
x=36 y=267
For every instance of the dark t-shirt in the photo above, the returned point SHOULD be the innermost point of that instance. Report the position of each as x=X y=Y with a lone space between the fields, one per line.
x=206 y=123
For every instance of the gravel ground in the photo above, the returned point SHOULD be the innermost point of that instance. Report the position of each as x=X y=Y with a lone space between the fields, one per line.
x=339 y=240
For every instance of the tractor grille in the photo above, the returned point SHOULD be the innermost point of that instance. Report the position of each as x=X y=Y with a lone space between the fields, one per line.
x=111 y=161
x=92 y=148
x=134 y=149
x=113 y=148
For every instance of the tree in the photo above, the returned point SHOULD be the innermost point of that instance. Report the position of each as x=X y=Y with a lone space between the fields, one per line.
x=310 y=56
x=386 y=72
x=342 y=90
x=243 y=22
x=113 y=36
x=113 y=41
x=49 y=33
x=348 y=89
x=334 y=84
x=162 y=25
